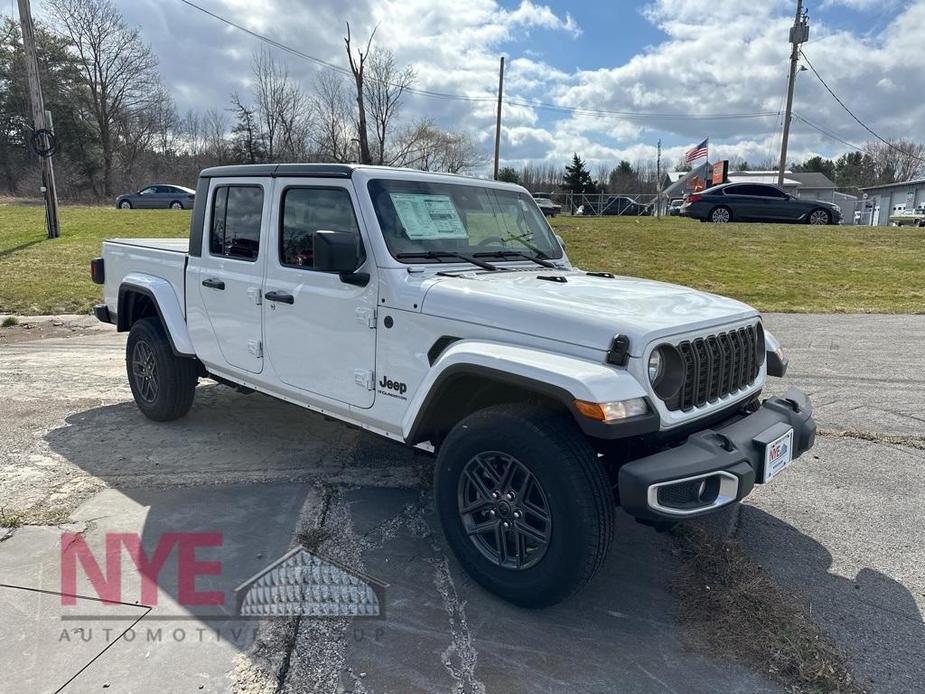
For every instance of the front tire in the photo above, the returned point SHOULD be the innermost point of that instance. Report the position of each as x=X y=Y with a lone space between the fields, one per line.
x=162 y=383
x=721 y=215
x=524 y=503
x=820 y=216
x=125 y=205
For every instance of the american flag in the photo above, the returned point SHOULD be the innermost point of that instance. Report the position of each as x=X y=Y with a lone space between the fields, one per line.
x=697 y=152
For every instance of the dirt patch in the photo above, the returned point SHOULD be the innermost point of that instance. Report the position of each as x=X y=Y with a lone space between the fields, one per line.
x=729 y=605
x=27 y=329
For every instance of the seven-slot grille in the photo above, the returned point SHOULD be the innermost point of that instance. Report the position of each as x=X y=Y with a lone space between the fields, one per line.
x=717 y=365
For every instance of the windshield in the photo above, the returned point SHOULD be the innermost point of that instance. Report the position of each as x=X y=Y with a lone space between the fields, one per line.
x=421 y=218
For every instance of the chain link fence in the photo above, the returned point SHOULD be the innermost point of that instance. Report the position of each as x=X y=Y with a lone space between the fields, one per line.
x=605 y=204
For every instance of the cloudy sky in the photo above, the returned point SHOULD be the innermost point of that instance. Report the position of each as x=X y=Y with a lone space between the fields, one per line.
x=669 y=66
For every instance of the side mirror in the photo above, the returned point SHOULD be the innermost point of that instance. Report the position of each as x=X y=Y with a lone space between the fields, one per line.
x=338 y=251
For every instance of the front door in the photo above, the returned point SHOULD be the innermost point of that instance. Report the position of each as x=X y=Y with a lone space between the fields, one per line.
x=232 y=267
x=319 y=330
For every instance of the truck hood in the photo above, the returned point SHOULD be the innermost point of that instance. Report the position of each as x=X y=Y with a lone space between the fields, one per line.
x=584 y=310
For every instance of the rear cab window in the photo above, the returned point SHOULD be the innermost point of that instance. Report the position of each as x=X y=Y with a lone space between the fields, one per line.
x=237 y=211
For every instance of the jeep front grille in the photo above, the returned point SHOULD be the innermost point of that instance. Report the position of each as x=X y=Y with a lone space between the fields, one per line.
x=717 y=365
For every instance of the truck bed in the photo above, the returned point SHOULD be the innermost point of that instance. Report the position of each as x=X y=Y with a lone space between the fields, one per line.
x=161 y=258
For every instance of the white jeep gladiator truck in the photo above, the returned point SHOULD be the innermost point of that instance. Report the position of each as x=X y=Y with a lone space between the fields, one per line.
x=443 y=312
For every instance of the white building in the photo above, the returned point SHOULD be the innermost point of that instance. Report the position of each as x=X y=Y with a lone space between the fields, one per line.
x=892 y=198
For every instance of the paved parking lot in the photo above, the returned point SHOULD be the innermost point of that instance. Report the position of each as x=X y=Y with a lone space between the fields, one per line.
x=842 y=530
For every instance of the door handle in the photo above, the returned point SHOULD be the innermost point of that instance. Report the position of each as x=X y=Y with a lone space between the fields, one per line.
x=213 y=284
x=282 y=297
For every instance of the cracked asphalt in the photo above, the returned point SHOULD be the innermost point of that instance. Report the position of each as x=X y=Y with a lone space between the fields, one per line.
x=841 y=530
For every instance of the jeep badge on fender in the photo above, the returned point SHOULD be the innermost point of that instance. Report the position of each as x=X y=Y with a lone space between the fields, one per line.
x=520 y=373
x=399 y=389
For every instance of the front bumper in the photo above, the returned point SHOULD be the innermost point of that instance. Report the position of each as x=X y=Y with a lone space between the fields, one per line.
x=714 y=467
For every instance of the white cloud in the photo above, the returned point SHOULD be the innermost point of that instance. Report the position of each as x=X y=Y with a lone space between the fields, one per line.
x=717 y=56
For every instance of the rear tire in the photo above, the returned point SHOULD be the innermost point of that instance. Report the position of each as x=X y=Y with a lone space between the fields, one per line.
x=176 y=205
x=721 y=215
x=162 y=383
x=532 y=469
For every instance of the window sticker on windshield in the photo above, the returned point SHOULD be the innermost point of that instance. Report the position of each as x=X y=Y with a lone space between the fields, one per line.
x=428 y=216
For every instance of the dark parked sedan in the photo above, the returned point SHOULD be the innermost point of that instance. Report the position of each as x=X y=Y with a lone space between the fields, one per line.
x=757 y=202
x=158 y=196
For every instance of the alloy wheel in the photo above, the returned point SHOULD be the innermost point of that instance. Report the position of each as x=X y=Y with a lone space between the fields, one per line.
x=819 y=217
x=144 y=370
x=504 y=510
x=720 y=215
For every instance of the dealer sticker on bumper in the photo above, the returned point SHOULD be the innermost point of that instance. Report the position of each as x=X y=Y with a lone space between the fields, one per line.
x=778 y=454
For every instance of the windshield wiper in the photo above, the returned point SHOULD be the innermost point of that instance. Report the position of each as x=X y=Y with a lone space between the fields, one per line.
x=538 y=258
x=439 y=255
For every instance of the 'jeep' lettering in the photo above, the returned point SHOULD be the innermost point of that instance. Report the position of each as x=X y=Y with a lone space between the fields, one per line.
x=397 y=386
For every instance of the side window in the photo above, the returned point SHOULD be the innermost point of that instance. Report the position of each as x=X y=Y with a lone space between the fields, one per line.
x=307 y=210
x=236 y=215
x=773 y=192
x=147 y=191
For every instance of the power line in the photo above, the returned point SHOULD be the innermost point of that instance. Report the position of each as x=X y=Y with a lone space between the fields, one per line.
x=850 y=113
x=623 y=115
x=828 y=133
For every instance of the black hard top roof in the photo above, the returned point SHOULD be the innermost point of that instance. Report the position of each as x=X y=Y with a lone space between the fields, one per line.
x=275 y=170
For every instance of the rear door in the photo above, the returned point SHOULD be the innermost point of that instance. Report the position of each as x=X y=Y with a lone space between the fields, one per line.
x=747 y=203
x=320 y=331
x=232 y=267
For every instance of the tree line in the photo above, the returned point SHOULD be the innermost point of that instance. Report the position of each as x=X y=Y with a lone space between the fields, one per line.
x=877 y=163
x=119 y=128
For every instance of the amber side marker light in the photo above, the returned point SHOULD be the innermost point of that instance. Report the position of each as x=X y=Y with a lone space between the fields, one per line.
x=612 y=411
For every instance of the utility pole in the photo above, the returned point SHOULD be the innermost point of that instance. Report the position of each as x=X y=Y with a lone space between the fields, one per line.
x=799 y=34
x=498 y=123
x=39 y=120
x=658 y=181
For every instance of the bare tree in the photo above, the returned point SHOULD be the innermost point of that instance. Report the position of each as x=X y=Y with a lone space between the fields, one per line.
x=897 y=160
x=332 y=133
x=164 y=119
x=425 y=146
x=215 y=135
x=358 y=68
x=384 y=86
x=118 y=69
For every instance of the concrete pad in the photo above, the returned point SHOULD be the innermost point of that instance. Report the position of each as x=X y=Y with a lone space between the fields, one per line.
x=179 y=645
x=842 y=530
x=863 y=372
x=443 y=632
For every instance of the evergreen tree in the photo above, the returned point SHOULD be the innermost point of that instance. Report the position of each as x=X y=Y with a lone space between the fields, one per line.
x=577 y=178
x=508 y=175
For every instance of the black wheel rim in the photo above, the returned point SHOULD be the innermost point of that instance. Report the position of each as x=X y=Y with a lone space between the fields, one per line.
x=504 y=510
x=144 y=371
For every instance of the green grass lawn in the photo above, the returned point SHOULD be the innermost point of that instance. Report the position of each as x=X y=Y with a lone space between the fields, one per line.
x=38 y=275
x=773 y=267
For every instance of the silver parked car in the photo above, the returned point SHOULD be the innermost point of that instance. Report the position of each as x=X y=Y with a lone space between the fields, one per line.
x=159 y=196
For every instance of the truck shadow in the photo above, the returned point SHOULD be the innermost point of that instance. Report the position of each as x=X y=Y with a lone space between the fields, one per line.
x=247 y=467
x=873 y=619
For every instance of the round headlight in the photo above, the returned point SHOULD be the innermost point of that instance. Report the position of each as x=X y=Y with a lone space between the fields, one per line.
x=656 y=364
x=666 y=371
